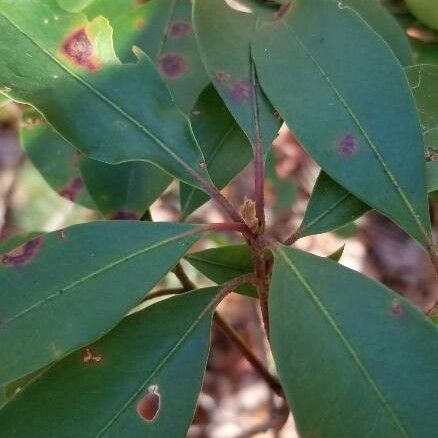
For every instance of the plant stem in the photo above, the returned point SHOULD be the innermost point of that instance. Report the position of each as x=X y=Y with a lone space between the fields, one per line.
x=259 y=165
x=291 y=239
x=183 y=278
x=226 y=227
x=272 y=381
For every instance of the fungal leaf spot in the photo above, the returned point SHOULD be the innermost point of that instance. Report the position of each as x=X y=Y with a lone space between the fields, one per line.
x=72 y=189
x=397 y=308
x=222 y=76
x=172 y=65
x=121 y=215
x=241 y=91
x=283 y=10
x=148 y=407
x=180 y=29
x=78 y=48
x=348 y=145
x=24 y=253
x=90 y=357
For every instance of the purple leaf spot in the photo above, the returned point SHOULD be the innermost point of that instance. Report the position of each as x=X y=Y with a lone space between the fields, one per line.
x=78 y=48
x=283 y=10
x=72 y=189
x=123 y=215
x=241 y=91
x=172 y=65
x=180 y=29
x=24 y=253
x=397 y=308
x=348 y=145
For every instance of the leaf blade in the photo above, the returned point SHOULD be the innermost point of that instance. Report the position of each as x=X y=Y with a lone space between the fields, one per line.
x=90 y=261
x=324 y=345
x=349 y=134
x=57 y=76
x=141 y=352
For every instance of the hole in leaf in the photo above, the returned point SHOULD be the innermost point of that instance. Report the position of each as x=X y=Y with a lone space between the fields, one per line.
x=148 y=407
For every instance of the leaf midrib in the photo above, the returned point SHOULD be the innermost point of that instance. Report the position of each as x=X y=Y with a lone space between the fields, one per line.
x=386 y=169
x=325 y=213
x=94 y=274
x=208 y=160
x=160 y=365
x=215 y=263
x=108 y=101
x=344 y=340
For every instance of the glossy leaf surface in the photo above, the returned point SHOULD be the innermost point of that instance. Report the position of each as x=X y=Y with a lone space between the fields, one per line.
x=65 y=66
x=74 y=5
x=66 y=288
x=342 y=380
x=224 y=36
x=382 y=22
x=131 y=370
x=123 y=191
x=163 y=30
x=223 y=264
x=223 y=144
x=424 y=84
x=331 y=206
x=324 y=55
x=55 y=159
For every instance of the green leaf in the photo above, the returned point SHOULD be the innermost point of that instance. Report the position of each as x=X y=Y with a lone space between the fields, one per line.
x=432 y=175
x=332 y=207
x=74 y=5
x=3 y=99
x=163 y=30
x=17 y=240
x=224 y=146
x=54 y=158
x=223 y=36
x=225 y=263
x=76 y=178
x=123 y=191
x=382 y=22
x=424 y=83
x=98 y=392
x=354 y=357
x=325 y=56
x=336 y=256
x=66 y=288
x=65 y=66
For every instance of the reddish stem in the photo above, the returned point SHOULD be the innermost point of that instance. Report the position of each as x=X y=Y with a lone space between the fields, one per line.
x=259 y=165
x=231 y=226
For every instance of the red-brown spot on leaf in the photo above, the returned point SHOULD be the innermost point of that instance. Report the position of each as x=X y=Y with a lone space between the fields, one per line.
x=241 y=91
x=24 y=253
x=180 y=29
x=124 y=215
x=348 y=145
x=172 y=65
x=282 y=10
x=72 y=189
x=148 y=407
x=90 y=357
x=397 y=308
x=79 y=49
x=139 y=23
x=222 y=76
